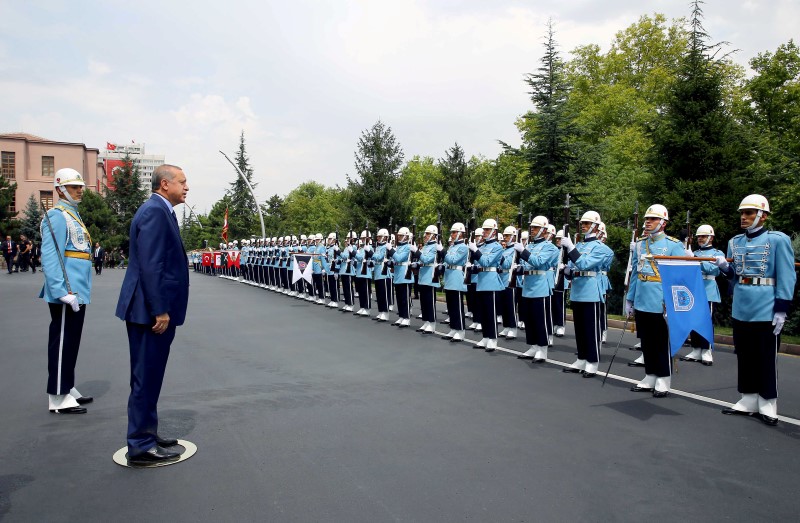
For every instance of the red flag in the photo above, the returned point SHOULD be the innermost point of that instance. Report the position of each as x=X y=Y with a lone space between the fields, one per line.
x=206 y=259
x=233 y=259
x=110 y=146
x=225 y=227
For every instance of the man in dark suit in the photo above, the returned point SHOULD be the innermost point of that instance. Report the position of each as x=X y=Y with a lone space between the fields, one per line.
x=153 y=303
x=9 y=248
x=98 y=255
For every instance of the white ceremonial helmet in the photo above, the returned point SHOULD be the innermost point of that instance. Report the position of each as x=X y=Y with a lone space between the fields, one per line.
x=332 y=236
x=539 y=221
x=592 y=217
x=510 y=230
x=657 y=211
x=458 y=227
x=551 y=229
x=274 y=238
x=294 y=238
x=287 y=238
x=704 y=230
x=432 y=229
x=384 y=233
x=366 y=234
x=478 y=232
x=525 y=235
x=67 y=176
x=753 y=201
x=352 y=234
x=403 y=231
x=318 y=236
x=303 y=237
x=601 y=228
x=489 y=223
x=560 y=233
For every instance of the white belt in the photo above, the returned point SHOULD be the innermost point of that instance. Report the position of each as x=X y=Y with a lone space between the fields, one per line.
x=709 y=277
x=526 y=273
x=429 y=265
x=604 y=273
x=455 y=267
x=584 y=273
x=488 y=269
x=755 y=280
x=402 y=263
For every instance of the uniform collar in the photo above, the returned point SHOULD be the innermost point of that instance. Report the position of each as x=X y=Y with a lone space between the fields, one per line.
x=538 y=240
x=487 y=242
x=706 y=248
x=658 y=236
x=757 y=233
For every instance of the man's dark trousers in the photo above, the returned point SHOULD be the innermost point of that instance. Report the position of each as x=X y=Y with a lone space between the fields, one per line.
x=149 y=353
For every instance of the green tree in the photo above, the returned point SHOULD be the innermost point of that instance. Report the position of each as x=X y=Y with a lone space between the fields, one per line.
x=126 y=197
x=419 y=194
x=699 y=147
x=457 y=183
x=100 y=220
x=312 y=208
x=379 y=158
x=273 y=210
x=242 y=213
x=7 y=222
x=32 y=219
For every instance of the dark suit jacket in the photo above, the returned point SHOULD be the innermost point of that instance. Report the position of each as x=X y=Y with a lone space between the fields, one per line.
x=100 y=257
x=4 y=247
x=157 y=278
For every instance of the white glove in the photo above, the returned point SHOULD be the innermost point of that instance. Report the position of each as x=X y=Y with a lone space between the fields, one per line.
x=519 y=247
x=633 y=246
x=473 y=246
x=368 y=248
x=689 y=251
x=628 y=308
x=439 y=247
x=561 y=266
x=336 y=248
x=721 y=262
x=778 y=320
x=413 y=247
x=72 y=301
x=567 y=271
x=567 y=243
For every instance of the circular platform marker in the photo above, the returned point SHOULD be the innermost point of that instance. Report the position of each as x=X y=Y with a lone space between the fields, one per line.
x=188 y=450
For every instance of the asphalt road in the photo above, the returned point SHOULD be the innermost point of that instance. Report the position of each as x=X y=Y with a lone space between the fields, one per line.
x=301 y=413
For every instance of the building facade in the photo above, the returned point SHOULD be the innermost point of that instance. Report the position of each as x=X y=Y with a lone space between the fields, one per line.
x=114 y=153
x=32 y=161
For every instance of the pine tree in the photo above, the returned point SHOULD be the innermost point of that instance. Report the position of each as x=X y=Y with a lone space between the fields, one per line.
x=378 y=161
x=127 y=196
x=546 y=135
x=32 y=219
x=242 y=214
x=458 y=184
x=698 y=146
x=7 y=191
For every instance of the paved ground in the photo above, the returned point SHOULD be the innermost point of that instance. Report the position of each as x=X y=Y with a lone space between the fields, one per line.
x=301 y=413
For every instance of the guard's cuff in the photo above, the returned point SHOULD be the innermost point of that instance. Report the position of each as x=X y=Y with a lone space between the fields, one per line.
x=781 y=305
x=525 y=254
x=476 y=255
x=574 y=255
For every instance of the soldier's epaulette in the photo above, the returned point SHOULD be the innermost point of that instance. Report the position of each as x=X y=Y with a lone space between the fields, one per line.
x=676 y=240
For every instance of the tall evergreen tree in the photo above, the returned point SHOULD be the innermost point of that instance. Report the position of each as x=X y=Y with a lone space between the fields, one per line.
x=459 y=185
x=378 y=161
x=274 y=213
x=31 y=219
x=7 y=191
x=546 y=132
x=100 y=220
x=127 y=196
x=697 y=144
x=242 y=214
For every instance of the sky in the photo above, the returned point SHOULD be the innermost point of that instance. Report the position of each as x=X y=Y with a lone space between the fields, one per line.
x=304 y=78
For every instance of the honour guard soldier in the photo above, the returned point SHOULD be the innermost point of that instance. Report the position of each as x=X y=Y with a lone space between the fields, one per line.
x=551 y=278
x=428 y=278
x=347 y=270
x=331 y=269
x=536 y=260
x=523 y=239
x=364 y=273
x=402 y=278
x=243 y=261
x=505 y=298
x=602 y=236
x=283 y=264
x=382 y=276
x=701 y=348
x=488 y=258
x=67 y=268
x=586 y=260
x=764 y=278
x=455 y=261
x=472 y=298
x=559 y=302
x=317 y=276
x=645 y=300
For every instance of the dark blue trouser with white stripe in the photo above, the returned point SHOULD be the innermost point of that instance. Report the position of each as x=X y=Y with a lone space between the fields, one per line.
x=64 y=341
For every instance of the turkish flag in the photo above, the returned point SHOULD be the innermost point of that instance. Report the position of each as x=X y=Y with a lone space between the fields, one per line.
x=233 y=259
x=110 y=146
x=206 y=259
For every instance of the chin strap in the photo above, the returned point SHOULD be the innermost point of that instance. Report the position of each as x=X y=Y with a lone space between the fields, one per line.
x=70 y=199
x=755 y=227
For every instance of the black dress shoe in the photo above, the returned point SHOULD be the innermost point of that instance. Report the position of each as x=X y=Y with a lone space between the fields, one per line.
x=589 y=374
x=635 y=364
x=446 y=337
x=539 y=360
x=768 y=420
x=83 y=400
x=707 y=363
x=455 y=340
x=687 y=358
x=487 y=349
x=571 y=370
x=660 y=393
x=524 y=357
x=734 y=412
x=420 y=330
x=153 y=455
x=69 y=410
x=402 y=326
x=637 y=388
x=166 y=442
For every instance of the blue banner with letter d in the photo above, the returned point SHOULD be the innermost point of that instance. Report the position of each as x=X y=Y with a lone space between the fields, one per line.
x=686 y=302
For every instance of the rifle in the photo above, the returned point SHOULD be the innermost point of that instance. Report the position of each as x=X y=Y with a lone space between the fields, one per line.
x=564 y=260
x=385 y=269
x=468 y=265
x=409 y=270
x=364 y=266
x=335 y=260
x=438 y=269
x=688 y=242
x=629 y=268
x=348 y=243
x=512 y=279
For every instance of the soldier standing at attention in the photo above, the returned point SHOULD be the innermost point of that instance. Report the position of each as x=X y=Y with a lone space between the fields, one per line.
x=764 y=278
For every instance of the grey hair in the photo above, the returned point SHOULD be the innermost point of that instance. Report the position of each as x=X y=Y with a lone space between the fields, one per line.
x=163 y=172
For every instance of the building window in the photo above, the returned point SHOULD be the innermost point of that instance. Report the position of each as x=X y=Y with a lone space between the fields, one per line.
x=12 y=207
x=46 y=199
x=48 y=166
x=8 y=165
